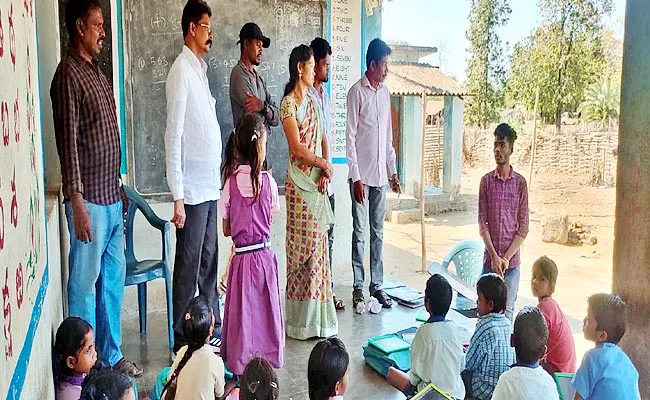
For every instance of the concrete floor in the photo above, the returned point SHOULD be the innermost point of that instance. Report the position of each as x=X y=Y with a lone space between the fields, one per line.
x=150 y=351
x=401 y=261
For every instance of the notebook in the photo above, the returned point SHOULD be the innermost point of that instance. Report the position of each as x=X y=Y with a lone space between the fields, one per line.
x=431 y=392
x=564 y=384
x=389 y=343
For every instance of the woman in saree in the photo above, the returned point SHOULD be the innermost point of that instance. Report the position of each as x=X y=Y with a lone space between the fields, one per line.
x=309 y=306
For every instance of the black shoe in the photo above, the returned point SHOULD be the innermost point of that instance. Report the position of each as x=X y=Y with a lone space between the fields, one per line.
x=382 y=297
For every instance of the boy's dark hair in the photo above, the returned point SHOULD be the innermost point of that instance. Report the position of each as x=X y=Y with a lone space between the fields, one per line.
x=76 y=9
x=530 y=335
x=192 y=13
x=438 y=295
x=259 y=381
x=548 y=269
x=106 y=384
x=610 y=312
x=68 y=341
x=328 y=363
x=377 y=49
x=505 y=131
x=321 y=48
x=493 y=288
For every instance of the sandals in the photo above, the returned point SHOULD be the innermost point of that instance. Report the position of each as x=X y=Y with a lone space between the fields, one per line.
x=338 y=303
x=358 y=301
x=382 y=297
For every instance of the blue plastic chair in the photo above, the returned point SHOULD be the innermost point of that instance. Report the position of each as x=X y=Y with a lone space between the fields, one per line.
x=141 y=272
x=467 y=257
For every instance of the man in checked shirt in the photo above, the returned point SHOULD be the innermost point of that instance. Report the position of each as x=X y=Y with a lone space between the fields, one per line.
x=503 y=215
x=88 y=143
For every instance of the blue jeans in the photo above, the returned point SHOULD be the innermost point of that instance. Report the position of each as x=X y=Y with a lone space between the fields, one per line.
x=96 y=282
x=511 y=279
x=374 y=207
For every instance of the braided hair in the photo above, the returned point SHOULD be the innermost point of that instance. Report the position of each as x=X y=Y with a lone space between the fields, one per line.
x=196 y=329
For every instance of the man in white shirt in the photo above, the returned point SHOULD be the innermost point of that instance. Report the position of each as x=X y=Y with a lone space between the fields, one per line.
x=526 y=380
x=370 y=152
x=193 y=156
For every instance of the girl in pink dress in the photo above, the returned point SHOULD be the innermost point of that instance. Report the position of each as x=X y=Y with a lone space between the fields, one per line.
x=253 y=323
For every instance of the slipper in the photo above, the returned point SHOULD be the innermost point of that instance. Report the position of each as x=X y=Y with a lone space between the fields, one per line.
x=338 y=303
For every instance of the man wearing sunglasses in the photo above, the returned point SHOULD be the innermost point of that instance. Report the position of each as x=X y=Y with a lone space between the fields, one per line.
x=193 y=159
x=248 y=92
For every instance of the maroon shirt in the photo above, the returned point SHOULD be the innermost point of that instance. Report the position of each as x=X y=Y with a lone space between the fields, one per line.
x=86 y=129
x=503 y=211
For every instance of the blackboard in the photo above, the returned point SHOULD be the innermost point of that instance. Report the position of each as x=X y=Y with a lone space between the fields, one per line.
x=154 y=39
x=105 y=58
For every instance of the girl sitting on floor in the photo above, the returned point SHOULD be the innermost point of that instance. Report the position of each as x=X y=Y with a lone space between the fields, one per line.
x=327 y=371
x=74 y=356
x=197 y=373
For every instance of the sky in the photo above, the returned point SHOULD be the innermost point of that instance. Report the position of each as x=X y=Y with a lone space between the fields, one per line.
x=442 y=24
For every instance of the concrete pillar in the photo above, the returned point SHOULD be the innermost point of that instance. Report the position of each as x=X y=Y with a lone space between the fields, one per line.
x=49 y=50
x=453 y=146
x=411 y=142
x=631 y=278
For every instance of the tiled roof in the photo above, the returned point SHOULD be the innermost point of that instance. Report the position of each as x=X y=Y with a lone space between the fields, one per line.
x=414 y=79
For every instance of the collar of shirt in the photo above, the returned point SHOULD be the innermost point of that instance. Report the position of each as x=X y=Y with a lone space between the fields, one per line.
x=605 y=344
x=366 y=83
x=435 y=318
x=80 y=59
x=197 y=63
x=250 y=72
x=492 y=315
x=75 y=380
x=497 y=176
x=531 y=366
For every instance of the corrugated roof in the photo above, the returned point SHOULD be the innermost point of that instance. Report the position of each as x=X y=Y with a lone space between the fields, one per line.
x=414 y=79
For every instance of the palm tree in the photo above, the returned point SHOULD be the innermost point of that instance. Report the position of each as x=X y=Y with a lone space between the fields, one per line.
x=601 y=101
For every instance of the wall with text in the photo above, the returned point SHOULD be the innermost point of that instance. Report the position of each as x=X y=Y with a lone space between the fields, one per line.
x=23 y=257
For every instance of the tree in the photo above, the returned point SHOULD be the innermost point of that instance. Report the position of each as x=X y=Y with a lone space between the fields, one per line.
x=601 y=101
x=486 y=67
x=563 y=56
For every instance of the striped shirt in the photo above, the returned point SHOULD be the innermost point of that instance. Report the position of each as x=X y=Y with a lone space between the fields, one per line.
x=503 y=211
x=489 y=354
x=86 y=130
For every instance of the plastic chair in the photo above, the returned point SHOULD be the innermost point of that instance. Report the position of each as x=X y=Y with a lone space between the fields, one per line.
x=467 y=257
x=141 y=272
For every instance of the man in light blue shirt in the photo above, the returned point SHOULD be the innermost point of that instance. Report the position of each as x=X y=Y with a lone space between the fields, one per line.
x=322 y=53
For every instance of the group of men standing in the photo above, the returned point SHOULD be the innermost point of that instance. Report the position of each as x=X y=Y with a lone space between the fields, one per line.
x=88 y=144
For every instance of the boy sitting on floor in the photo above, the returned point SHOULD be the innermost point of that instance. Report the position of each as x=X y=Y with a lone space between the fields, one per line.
x=606 y=371
x=489 y=354
x=437 y=351
x=526 y=380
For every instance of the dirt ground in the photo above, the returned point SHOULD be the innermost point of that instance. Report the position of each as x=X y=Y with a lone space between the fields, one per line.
x=583 y=270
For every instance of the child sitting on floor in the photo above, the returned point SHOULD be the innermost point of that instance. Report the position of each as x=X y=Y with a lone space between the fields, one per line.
x=526 y=380
x=258 y=382
x=606 y=371
x=197 y=373
x=437 y=351
x=489 y=354
x=327 y=370
x=107 y=385
x=74 y=356
x=561 y=353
